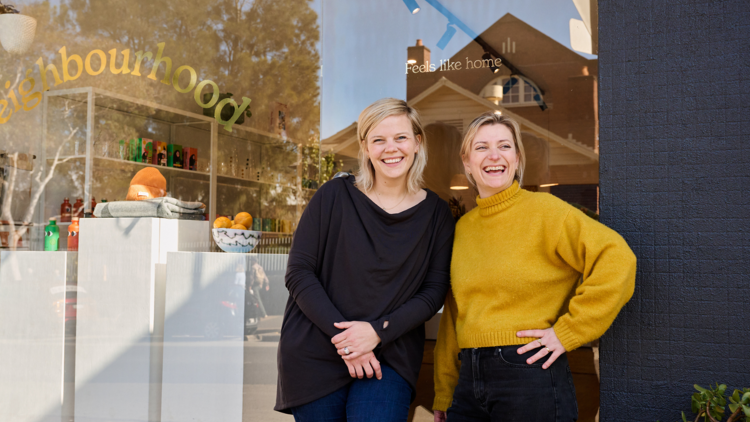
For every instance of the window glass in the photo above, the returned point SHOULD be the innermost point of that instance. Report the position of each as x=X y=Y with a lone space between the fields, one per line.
x=152 y=122
x=452 y=60
x=236 y=111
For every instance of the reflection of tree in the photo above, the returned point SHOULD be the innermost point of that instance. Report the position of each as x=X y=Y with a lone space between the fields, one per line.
x=10 y=182
x=265 y=50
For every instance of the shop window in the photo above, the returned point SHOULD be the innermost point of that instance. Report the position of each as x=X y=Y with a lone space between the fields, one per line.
x=516 y=91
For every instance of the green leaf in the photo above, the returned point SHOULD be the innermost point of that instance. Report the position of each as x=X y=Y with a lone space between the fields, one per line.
x=746 y=410
x=746 y=398
x=684 y=419
x=699 y=388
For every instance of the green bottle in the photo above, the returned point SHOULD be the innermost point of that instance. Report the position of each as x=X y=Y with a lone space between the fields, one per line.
x=51 y=236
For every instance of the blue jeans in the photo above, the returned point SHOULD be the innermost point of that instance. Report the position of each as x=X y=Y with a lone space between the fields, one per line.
x=496 y=384
x=362 y=400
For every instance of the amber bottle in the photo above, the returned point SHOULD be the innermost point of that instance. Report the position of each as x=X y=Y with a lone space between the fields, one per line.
x=65 y=211
x=78 y=208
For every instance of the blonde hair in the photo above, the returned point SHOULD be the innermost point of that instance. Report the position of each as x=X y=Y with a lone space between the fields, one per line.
x=495 y=118
x=371 y=117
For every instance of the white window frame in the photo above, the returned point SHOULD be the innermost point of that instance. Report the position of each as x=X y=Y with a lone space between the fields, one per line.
x=523 y=87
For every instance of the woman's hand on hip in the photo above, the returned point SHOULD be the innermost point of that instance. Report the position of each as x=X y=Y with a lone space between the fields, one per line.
x=365 y=365
x=358 y=338
x=439 y=415
x=549 y=343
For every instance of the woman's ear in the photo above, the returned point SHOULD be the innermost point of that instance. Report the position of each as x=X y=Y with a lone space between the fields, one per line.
x=465 y=161
x=419 y=142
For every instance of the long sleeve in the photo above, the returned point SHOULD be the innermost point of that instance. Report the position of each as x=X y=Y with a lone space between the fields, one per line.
x=352 y=261
x=447 y=365
x=301 y=280
x=608 y=268
x=431 y=294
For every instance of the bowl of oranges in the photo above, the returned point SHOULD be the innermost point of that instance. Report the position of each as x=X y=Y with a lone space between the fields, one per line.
x=233 y=235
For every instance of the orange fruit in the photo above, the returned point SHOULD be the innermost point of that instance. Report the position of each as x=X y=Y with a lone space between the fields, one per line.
x=244 y=218
x=238 y=227
x=222 y=223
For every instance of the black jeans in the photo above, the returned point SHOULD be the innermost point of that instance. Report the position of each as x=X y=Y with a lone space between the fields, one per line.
x=496 y=384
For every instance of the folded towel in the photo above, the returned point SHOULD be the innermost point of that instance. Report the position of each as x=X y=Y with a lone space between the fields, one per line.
x=157 y=207
x=176 y=202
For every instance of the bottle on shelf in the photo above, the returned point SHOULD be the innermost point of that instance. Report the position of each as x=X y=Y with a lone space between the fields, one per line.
x=51 y=236
x=73 y=235
x=65 y=211
x=78 y=208
x=93 y=205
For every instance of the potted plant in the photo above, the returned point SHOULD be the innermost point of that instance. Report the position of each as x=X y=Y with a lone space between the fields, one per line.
x=709 y=404
x=16 y=30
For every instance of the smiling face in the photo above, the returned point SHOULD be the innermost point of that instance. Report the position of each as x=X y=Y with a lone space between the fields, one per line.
x=492 y=159
x=391 y=146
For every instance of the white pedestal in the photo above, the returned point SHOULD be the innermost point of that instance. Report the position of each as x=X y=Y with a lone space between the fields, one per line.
x=32 y=335
x=122 y=266
x=203 y=374
x=204 y=378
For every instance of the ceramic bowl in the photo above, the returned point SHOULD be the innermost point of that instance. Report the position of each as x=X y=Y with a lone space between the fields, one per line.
x=236 y=241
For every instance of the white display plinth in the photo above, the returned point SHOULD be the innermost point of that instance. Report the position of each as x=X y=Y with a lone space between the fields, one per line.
x=203 y=337
x=206 y=372
x=32 y=335
x=122 y=266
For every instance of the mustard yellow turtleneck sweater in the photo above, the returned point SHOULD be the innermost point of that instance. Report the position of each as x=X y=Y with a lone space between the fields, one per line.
x=523 y=261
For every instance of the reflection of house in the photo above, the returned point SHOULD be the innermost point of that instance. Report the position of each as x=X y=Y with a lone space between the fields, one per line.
x=561 y=141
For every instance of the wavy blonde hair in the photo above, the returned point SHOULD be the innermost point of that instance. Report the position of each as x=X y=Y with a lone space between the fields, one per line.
x=494 y=118
x=371 y=117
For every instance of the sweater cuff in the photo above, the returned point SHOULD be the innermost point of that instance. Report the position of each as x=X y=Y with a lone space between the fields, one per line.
x=566 y=336
x=383 y=333
x=442 y=403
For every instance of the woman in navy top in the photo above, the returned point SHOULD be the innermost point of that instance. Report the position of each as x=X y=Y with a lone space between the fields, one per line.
x=369 y=264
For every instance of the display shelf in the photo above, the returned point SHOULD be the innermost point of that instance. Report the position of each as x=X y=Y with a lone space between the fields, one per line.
x=15 y=224
x=83 y=126
x=133 y=163
x=137 y=164
x=222 y=176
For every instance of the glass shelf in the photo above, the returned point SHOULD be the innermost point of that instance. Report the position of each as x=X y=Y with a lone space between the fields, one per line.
x=83 y=127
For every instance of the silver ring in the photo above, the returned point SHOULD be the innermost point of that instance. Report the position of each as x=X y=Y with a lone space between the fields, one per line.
x=346 y=350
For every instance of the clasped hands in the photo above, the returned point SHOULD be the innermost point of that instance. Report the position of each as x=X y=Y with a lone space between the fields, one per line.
x=359 y=339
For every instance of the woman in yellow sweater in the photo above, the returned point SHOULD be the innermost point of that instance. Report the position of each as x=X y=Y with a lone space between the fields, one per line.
x=532 y=278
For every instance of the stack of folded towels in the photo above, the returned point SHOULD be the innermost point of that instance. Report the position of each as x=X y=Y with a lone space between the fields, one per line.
x=147 y=198
x=156 y=207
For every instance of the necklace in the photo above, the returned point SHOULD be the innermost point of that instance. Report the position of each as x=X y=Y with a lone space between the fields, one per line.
x=380 y=201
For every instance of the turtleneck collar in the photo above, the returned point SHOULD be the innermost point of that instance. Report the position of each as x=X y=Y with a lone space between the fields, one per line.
x=498 y=201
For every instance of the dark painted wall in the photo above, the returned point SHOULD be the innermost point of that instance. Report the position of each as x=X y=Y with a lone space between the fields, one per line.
x=674 y=107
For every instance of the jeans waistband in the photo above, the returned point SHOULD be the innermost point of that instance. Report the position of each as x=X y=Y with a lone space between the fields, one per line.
x=488 y=351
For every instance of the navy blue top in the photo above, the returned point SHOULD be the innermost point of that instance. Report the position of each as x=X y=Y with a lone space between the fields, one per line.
x=352 y=261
